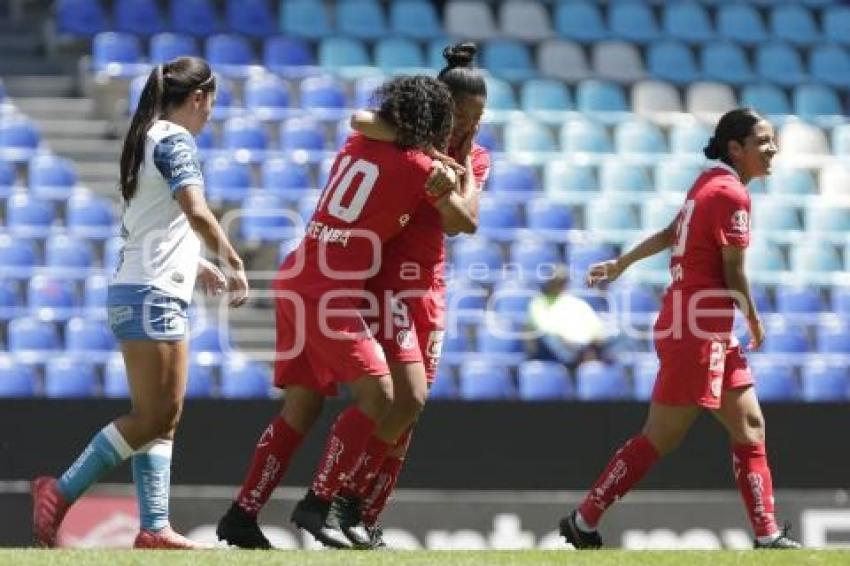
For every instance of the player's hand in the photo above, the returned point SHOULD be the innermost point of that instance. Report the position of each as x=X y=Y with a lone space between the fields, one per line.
x=237 y=286
x=438 y=155
x=603 y=271
x=442 y=179
x=465 y=148
x=756 y=333
x=210 y=278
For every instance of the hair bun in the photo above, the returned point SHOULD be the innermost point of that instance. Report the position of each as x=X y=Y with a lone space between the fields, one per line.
x=460 y=54
x=711 y=150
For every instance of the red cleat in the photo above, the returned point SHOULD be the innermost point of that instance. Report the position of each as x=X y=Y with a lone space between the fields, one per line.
x=166 y=538
x=48 y=510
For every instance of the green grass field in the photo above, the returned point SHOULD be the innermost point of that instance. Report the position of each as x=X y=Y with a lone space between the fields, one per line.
x=26 y=557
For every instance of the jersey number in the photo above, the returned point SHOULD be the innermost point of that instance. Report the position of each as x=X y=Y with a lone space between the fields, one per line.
x=366 y=175
x=682 y=228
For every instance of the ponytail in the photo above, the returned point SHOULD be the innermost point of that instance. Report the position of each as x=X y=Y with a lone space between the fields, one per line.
x=460 y=74
x=735 y=125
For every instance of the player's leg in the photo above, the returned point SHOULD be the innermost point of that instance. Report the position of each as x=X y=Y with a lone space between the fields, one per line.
x=740 y=413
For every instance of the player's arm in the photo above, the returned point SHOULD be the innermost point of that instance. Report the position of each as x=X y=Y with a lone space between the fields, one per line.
x=459 y=208
x=613 y=268
x=736 y=280
x=372 y=126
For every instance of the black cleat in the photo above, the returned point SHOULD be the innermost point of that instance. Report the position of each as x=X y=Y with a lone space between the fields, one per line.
x=313 y=515
x=346 y=509
x=575 y=536
x=376 y=537
x=782 y=542
x=238 y=528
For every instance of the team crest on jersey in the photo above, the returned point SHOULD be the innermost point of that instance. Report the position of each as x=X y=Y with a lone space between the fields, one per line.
x=716 y=386
x=403 y=220
x=740 y=221
x=435 y=344
x=404 y=339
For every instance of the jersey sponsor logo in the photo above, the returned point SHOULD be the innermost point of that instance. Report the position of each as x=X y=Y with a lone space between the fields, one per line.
x=119 y=315
x=404 y=339
x=324 y=233
x=716 y=386
x=435 y=344
x=403 y=220
x=740 y=221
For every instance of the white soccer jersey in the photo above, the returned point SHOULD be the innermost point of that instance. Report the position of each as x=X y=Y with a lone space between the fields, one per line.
x=160 y=248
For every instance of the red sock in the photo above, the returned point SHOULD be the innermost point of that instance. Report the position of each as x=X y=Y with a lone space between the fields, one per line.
x=271 y=458
x=376 y=497
x=348 y=439
x=752 y=474
x=628 y=466
x=374 y=455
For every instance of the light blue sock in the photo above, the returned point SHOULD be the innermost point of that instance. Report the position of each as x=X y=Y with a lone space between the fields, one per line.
x=152 y=474
x=105 y=451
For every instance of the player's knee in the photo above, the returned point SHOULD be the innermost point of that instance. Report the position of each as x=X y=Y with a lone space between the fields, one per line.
x=755 y=428
x=411 y=402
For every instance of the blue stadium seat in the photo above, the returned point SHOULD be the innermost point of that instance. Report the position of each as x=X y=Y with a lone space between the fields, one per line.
x=596 y=381
x=768 y=99
x=415 y=18
x=815 y=258
x=303 y=135
x=16 y=379
x=285 y=177
x=672 y=61
x=508 y=177
x=527 y=21
x=194 y=17
x=52 y=297
x=7 y=178
x=246 y=138
x=777 y=216
x=824 y=381
x=304 y=18
x=242 y=378
x=618 y=175
x=324 y=97
x=548 y=218
x=266 y=218
x=482 y=380
x=69 y=377
x=798 y=299
x=689 y=138
x=73 y=254
x=82 y=18
x=398 y=54
x=774 y=380
x=363 y=19
x=89 y=338
x=780 y=63
x=29 y=216
x=836 y=22
x=90 y=216
x=95 y=291
x=51 y=176
x=253 y=18
x=791 y=181
x=224 y=103
x=633 y=22
x=501 y=100
x=741 y=23
x=580 y=21
x=658 y=213
x=19 y=139
x=18 y=256
x=444 y=385
x=266 y=98
x=833 y=336
x=818 y=103
x=764 y=256
x=307 y=206
x=229 y=54
x=599 y=98
x=544 y=381
x=511 y=298
x=581 y=256
x=139 y=17
x=345 y=56
x=11 y=303
x=498 y=220
x=508 y=59
x=201 y=381
x=226 y=180
x=115 y=385
x=635 y=299
x=488 y=138
x=794 y=23
x=209 y=339
x=563 y=179
x=529 y=137
x=644 y=373
x=546 y=100
x=675 y=176
x=687 y=21
x=841 y=140
x=639 y=137
x=726 y=63
x=610 y=215
x=841 y=300
x=289 y=56
x=824 y=217
x=830 y=64
x=466 y=300
x=476 y=254
x=783 y=336
x=29 y=334
x=533 y=254
x=168 y=46
x=580 y=135
x=119 y=54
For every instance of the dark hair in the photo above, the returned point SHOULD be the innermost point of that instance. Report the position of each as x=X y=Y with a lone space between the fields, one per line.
x=419 y=108
x=168 y=85
x=735 y=125
x=459 y=74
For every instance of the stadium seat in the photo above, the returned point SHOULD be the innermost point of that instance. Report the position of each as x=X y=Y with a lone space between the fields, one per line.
x=769 y=100
x=676 y=176
x=82 y=18
x=827 y=218
x=825 y=381
x=741 y=23
x=508 y=177
x=689 y=138
x=635 y=299
x=543 y=381
x=726 y=63
x=508 y=59
x=266 y=98
x=253 y=18
x=31 y=335
x=617 y=61
x=363 y=19
x=784 y=337
x=209 y=339
x=29 y=216
x=482 y=380
x=229 y=54
x=304 y=18
x=242 y=378
x=687 y=21
x=765 y=257
x=73 y=255
x=226 y=180
x=477 y=258
x=815 y=258
x=324 y=97
x=611 y=216
x=774 y=381
x=841 y=300
x=601 y=100
x=115 y=384
x=19 y=139
x=584 y=136
x=793 y=23
x=16 y=379
x=639 y=137
x=561 y=179
x=547 y=218
x=18 y=256
x=800 y=139
x=11 y=305
x=398 y=54
x=841 y=140
x=88 y=338
x=833 y=336
x=167 y=46
x=672 y=61
x=52 y=297
x=139 y=17
x=534 y=254
x=90 y=216
x=546 y=100
x=836 y=22
x=658 y=213
x=307 y=206
x=526 y=21
x=471 y=19
x=246 y=139
x=643 y=378
x=266 y=218
x=830 y=64
x=580 y=21
x=530 y=138
x=620 y=176
x=780 y=63
x=798 y=299
x=201 y=381
x=835 y=180
x=193 y=17
x=417 y=19
x=633 y=22
x=466 y=300
x=289 y=56
x=581 y=256
x=511 y=298
x=488 y=138
x=596 y=381
x=776 y=216
x=51 y=176
x=303 y=136
x=819 y=104
x=69 y=377
x=563 y=60
x=445 y=385
x=791 y=181
x=657 y=100
x=8 y=178
x=95 y=291
x=345 y=56
x=285 y=177
x=119 y=54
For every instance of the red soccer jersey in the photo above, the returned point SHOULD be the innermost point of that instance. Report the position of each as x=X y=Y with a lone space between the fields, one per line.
x=716 y=213
x=373 y=190
x=423 y=242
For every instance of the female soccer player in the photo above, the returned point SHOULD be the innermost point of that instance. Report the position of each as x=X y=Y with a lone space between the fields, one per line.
x=322 y=340
x=165 y=214
x=702 y=366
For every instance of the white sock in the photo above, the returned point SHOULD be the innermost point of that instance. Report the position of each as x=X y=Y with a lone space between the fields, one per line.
x=582 y=524
x=767 y=539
